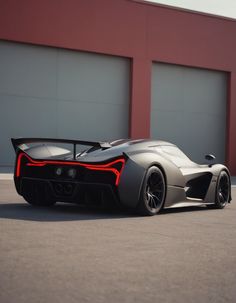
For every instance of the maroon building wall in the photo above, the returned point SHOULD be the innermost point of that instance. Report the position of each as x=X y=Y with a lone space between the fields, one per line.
x=143 y=32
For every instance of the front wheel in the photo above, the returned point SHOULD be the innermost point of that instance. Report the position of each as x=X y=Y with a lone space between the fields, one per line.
x=222 y=190
x=152 y=196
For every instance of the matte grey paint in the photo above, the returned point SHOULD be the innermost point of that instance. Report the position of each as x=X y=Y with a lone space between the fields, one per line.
x=50 y=92
x=189 y=109
x=141 y=155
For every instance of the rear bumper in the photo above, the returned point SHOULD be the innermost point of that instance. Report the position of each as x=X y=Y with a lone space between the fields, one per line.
x=68 y=191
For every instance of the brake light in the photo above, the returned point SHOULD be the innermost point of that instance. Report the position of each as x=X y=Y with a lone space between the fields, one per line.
x=32 y=162
x=116 y=166
x=110 y=167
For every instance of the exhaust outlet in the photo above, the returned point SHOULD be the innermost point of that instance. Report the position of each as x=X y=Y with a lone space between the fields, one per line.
x=59 y=188
x=68 y=189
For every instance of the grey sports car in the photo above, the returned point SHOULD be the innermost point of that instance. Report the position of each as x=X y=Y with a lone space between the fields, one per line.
x=145 y=175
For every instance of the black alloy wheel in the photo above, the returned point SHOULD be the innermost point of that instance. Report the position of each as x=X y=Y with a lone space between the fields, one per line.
x=222 y=190
x=153 y=192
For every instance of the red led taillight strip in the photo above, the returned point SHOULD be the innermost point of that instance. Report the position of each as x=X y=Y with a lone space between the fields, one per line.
x=18 y=164
x=101 y=167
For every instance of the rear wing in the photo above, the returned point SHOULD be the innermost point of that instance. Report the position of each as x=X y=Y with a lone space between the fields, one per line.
x=17 y=142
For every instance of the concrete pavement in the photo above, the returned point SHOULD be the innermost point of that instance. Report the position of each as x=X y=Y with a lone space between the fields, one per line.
x=71 y=254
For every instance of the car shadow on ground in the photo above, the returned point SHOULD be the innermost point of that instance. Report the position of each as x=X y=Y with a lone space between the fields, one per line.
x=72 y=212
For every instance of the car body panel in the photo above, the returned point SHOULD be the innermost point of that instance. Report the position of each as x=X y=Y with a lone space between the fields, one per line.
x=118 y=167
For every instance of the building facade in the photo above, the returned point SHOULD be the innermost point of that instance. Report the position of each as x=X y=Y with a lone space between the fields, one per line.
x=108 y=69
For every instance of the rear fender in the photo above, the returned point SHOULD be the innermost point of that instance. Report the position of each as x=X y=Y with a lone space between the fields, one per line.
x=172 y=173
x=134 y=172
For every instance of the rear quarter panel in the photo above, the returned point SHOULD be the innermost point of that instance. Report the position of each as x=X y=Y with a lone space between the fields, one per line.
x=134 y=172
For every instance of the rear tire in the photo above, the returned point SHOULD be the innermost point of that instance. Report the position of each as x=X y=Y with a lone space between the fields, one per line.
x=38 y=196
x=153 y=192
x=222 y=190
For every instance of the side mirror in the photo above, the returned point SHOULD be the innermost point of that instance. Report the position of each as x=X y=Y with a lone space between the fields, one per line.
x=210 y=157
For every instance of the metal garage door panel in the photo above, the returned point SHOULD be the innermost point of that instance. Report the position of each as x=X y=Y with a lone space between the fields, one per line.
x=189 y=109
x=28 y=70
x=86 y=77
x=49 y=92
x=93 y=94
x=24 y=117
x=94 y=121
